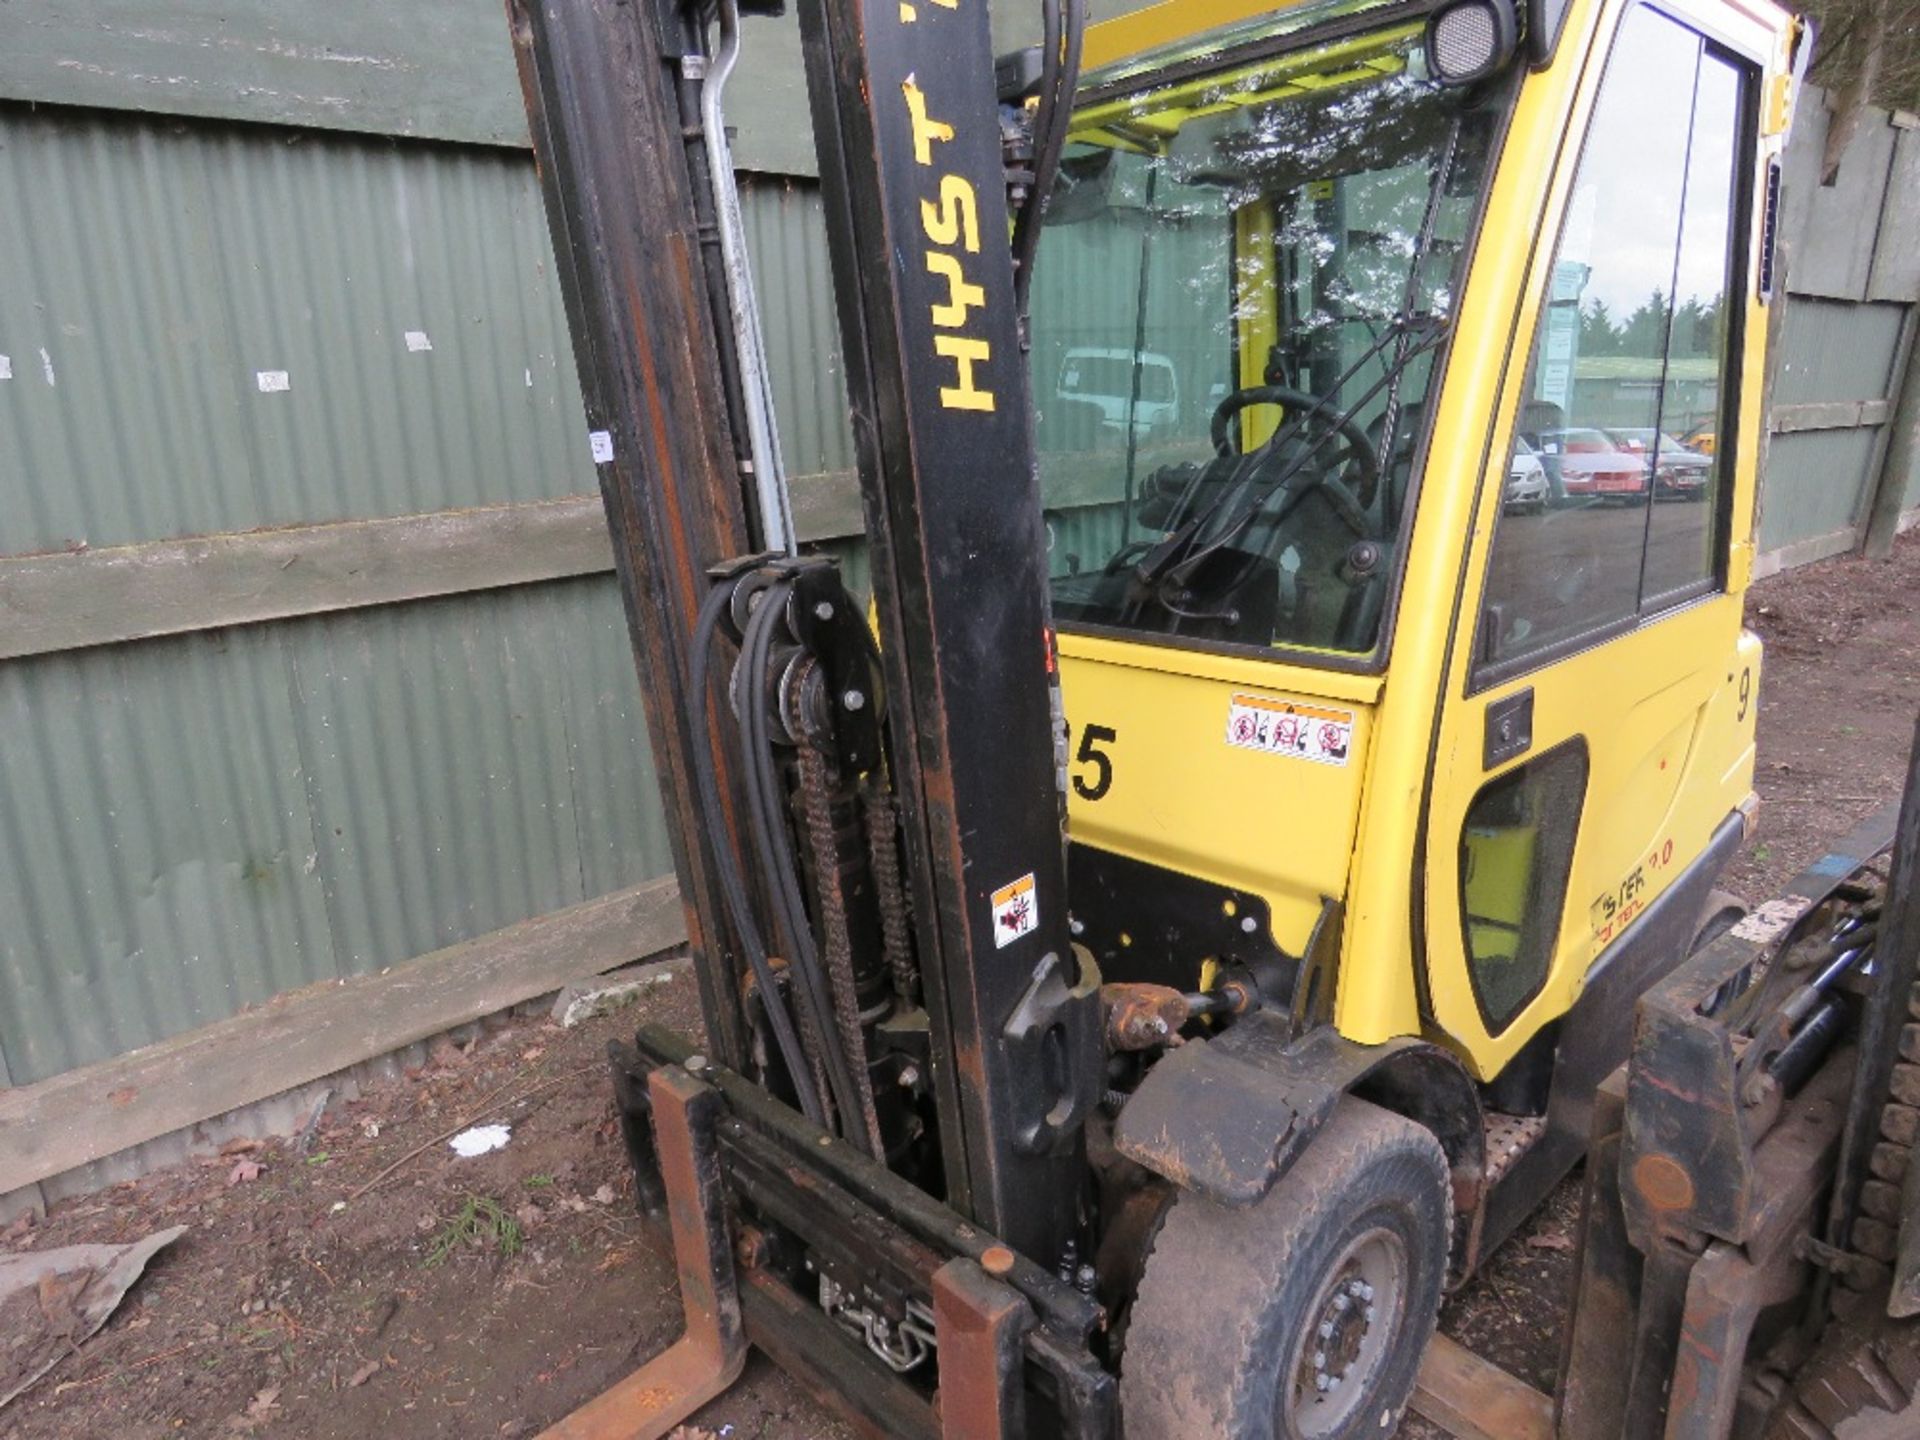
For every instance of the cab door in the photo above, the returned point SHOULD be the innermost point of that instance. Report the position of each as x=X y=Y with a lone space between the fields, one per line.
x=1596 y=728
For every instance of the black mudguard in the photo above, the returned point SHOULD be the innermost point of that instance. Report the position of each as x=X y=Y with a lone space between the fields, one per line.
x=1226 y=1117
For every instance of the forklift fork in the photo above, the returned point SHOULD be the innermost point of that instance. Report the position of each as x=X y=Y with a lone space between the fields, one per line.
x=708 y=1358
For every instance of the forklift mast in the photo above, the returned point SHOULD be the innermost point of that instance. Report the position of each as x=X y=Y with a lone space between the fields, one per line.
x=908 y=128
x=907 y=124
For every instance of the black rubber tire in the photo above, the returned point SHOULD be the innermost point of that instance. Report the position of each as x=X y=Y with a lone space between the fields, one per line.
x=1221 y=1318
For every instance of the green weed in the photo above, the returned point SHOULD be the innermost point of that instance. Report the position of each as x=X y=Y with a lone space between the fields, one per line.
x=479 y=1222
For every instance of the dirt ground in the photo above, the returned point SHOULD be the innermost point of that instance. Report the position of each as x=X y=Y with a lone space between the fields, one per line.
x=376 y=1284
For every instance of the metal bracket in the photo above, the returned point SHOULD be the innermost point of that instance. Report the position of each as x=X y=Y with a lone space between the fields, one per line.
x=981 y=1325
x=710 y=1355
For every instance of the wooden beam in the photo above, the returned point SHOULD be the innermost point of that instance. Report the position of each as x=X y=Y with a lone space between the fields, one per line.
x=87 y=1114
x=1829 y=415
x=425 y=70
x=1805 y=552
x=1473 y=1400
x=133 y=592
x=73 y=600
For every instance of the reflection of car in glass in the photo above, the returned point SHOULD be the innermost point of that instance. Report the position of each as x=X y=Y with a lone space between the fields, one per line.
x=1527 y=487
x=1702 y=438
x=1107 y=378
x=1590 y=466
x=1678 y=473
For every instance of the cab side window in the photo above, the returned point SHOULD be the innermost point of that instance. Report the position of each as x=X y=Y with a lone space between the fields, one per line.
x=1611 y=510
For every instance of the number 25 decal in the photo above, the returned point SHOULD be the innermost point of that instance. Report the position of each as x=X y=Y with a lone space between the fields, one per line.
x=1093 y=785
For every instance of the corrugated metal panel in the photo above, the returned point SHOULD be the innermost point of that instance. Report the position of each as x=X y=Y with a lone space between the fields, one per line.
x=156 y=851
x=149 y=273
x=1834 y=351
x=1816 y=479
x=1896 y=259
x=194 y=825
x=1815 y=485
x=787 y=243
x=1832 y=229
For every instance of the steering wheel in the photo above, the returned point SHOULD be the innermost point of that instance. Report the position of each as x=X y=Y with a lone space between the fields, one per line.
x=1351 y=452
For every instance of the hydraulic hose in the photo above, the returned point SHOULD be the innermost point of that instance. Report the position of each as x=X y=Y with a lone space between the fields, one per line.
x=769 y=815
x=1064 y=24
x=726 y=864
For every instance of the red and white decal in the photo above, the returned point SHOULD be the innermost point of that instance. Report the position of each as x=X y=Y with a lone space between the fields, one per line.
x=1280 y=727
x=1016 y=912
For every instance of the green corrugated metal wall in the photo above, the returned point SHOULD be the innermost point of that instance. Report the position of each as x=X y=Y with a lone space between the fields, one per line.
x=1853 y=280
x=194 y=824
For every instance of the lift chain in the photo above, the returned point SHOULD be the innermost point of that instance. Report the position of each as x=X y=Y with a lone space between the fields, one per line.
x=816 y=809
x=883 y=851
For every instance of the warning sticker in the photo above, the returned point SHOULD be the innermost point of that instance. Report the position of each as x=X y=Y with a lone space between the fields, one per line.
x=1015 y=912
x=1281 y=727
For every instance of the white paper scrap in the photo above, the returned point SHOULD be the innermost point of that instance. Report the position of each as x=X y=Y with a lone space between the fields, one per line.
x=272 y=380
x=417 y=340
x=479 y=1140
x=6 y=367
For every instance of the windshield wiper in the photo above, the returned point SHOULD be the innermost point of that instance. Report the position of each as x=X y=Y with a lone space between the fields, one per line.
x=1160 y=561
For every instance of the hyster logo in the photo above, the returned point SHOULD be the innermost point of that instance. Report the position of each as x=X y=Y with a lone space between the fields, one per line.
x=953 y=224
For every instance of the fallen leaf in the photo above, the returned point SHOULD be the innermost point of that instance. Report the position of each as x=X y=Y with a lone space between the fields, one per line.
x=243 y=1172
x=260 y=1410
x=239 y=1147
x=365 y=1373
x=1550 y=1240
x=533 y=1053
x=604 y=1195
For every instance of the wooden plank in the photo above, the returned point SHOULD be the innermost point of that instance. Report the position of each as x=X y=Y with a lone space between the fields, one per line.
x=102 y=597
x=1473 y=1400
x=1805 y=552
x=1821 y=415
x=427 y=69
x=84 y=1115
x=69 y=601
x=430 y=69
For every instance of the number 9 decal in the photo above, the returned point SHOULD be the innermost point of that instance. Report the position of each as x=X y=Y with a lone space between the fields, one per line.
x=1746 y=693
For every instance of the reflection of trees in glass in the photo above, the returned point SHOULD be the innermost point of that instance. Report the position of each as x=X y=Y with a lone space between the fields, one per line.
x=1695 y=327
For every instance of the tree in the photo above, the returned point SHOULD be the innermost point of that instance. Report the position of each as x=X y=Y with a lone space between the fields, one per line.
x=1645 y=332
x=1867 y=52
x=1598 y=334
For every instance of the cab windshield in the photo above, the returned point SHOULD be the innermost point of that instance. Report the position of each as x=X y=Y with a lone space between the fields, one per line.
x=1242 y=297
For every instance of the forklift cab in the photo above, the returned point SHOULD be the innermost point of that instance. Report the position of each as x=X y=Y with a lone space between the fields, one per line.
x=1333 y=702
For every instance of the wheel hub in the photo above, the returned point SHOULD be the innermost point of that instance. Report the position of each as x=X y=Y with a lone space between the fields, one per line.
x=1347 y=1332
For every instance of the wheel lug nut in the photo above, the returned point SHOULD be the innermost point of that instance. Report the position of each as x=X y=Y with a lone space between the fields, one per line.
x=1342 y=1303
x=1322 y=1384
x=1319 y=1359
x=1366 y=1291
x=1326 y=1329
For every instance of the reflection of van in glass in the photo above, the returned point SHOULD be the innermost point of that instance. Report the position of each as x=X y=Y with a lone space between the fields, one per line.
x=1106 y=378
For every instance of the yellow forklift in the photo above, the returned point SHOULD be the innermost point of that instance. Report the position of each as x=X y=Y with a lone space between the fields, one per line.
x=1183 y=926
